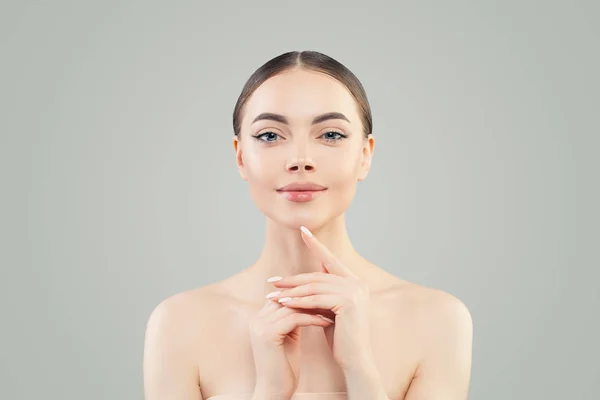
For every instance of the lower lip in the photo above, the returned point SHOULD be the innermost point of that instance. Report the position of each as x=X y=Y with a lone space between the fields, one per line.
x=301 y=196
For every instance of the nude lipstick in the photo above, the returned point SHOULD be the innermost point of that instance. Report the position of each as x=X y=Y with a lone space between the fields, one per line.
x=300 y=192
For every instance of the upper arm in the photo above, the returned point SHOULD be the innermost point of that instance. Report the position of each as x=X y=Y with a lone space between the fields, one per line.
x=444 y=372
x=170 y=371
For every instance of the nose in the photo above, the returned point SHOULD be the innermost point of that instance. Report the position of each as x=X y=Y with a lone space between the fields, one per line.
x=300 y=164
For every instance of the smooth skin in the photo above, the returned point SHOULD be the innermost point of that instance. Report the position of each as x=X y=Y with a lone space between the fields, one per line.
x=417 y=341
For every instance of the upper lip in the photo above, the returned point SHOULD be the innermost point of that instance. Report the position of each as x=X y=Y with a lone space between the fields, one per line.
x=301 y=187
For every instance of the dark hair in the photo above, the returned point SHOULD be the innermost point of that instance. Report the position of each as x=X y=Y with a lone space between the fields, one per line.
x=310 y=60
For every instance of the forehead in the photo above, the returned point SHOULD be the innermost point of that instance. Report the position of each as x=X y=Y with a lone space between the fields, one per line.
x=300 y=95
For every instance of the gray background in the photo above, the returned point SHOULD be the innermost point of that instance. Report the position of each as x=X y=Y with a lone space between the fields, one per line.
x=119 y=186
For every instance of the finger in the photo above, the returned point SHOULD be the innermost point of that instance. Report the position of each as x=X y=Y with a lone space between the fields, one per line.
x=281 y=312
x=290 y=322
x=268 y=308
x=308 y=290
x=329 y=334
x=318 y=301
x=324 y=269
x=285 y=311
x=305 y=278
x=278 y=314
x=330 y=261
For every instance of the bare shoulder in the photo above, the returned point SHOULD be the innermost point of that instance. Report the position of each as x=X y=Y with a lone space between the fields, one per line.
x=173 y=324
x=434 y=309
x=185 y=311
x=441 y=336
x=438 y=303
x=171 y=345
x=432 y=314
x=192 y=318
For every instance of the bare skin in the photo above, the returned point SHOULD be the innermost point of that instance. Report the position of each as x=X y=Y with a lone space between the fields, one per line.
x=406 y=319
x=198 y=342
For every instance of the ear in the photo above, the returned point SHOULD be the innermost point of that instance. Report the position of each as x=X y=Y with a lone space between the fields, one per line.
x=239 y=160
x=367 y=156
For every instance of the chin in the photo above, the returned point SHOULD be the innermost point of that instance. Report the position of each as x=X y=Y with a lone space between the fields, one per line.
x=312 y=218
x=312 y=214
x=296 y=219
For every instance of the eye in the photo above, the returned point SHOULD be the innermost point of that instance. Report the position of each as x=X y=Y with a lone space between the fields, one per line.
x=267 y=137
x=333 y=136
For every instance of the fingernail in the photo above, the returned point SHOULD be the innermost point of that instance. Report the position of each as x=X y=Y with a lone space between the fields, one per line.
x=306 y=231
x=325 y=318
x=274 y=279
x=273 y=294
x=284 y=299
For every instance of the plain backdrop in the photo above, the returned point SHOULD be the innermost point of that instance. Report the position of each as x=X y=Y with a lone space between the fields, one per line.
x=119 y=185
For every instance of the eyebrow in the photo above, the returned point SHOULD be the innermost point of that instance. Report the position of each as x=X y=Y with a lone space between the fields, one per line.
x=316 y=120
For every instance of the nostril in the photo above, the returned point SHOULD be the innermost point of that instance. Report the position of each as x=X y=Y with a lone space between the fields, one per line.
x=297 y=166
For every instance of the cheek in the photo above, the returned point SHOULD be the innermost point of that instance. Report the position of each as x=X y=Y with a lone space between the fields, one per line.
x=340 y=172
x=261 y=170
x=342 y=168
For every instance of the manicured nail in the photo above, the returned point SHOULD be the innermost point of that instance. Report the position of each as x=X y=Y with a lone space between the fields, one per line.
x=306 y=231
x=284 y=299
x=325 y=318
x=274 y=279
x=273 y=294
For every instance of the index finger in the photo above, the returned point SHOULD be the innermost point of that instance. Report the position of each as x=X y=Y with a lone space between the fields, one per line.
x=331 y=262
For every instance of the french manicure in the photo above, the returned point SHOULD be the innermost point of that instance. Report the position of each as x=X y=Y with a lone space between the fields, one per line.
x=274 y=279
x=273 y=294
x=306 y=231
x=284 y=299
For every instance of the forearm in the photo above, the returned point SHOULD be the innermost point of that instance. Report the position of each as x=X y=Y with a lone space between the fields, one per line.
x=364 y=382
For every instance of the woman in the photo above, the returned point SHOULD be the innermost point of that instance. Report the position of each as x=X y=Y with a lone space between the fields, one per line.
x=311 y=319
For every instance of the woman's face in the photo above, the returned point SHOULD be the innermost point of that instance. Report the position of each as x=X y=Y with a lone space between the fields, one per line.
x=302 y=128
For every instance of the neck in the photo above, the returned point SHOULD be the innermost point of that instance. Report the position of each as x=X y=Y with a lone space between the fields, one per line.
x=284 y=252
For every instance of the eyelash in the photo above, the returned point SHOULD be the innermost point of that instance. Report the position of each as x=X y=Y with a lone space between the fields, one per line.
x=340 y=136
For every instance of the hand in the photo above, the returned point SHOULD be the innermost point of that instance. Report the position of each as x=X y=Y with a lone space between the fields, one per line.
x=275 y=340
x=334 y=292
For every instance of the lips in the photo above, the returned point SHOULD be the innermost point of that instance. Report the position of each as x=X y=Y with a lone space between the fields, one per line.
x=302 y=187
x=300 y=192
